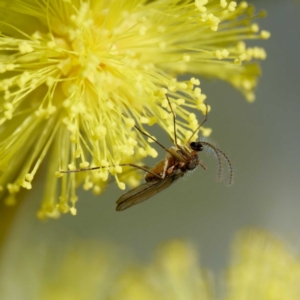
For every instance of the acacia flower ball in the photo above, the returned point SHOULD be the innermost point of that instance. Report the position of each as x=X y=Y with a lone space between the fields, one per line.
x=262 y=267
x=75 y=77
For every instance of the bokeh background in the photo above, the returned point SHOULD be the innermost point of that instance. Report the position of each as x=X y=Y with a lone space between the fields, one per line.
x=263 y=141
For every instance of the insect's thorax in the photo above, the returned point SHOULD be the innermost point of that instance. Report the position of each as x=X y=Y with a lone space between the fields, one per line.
x=169 y=162
x=184 y=161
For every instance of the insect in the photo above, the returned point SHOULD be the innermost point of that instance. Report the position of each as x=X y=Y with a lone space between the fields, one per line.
x=178 y=161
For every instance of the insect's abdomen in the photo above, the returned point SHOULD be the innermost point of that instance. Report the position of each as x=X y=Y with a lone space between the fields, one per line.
x=158 y=169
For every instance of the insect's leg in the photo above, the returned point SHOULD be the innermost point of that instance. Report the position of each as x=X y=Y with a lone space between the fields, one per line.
x=141 y=168
x=165 y=168
x=174 y=121
x=173 y=154
x=82 y=170
x=153 y=139
x=202 y=165
x=149 y=136
x=205 y=119
x=126 y=173
x=122 y=165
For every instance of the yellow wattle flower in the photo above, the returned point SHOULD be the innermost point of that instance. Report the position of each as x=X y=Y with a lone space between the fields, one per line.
x=262 y=268
x=75 y=77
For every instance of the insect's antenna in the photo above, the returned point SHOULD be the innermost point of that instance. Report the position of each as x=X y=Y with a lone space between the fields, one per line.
x=230 y=166
x=218 y=157
x=205 y=119
x=121 y=165
x=217 y=151
x=174 y=120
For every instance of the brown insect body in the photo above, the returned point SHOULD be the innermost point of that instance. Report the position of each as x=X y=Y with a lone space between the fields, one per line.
x=164 y=166
x=184 y=161
x=177 y=162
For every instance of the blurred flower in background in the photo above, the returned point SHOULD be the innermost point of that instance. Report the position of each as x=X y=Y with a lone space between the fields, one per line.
x=262 y=268
x=75 y=77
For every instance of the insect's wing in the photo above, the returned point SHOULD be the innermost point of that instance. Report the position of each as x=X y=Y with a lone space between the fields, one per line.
x=137 y=195
x=145 y=191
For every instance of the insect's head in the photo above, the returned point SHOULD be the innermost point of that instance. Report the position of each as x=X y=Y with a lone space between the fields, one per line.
x=196 y=146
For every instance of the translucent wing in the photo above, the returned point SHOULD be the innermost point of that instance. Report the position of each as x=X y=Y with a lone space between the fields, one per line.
x=145 y=191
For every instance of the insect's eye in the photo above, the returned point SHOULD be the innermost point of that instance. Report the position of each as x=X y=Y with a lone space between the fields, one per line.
x=197 y=146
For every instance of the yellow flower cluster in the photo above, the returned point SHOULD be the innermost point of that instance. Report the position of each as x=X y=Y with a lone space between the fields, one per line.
x=262 y=269
x=76 y=76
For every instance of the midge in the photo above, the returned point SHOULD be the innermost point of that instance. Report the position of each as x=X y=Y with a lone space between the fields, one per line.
x=178 y=161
